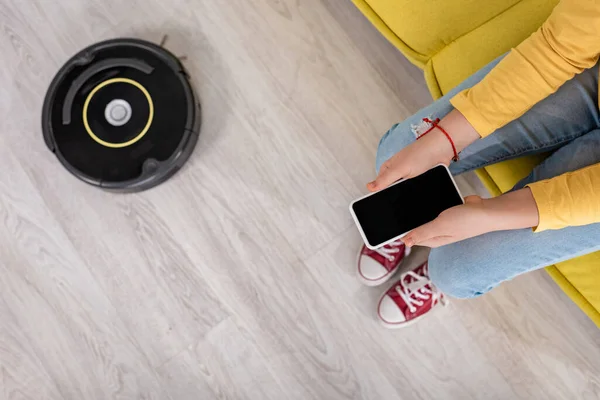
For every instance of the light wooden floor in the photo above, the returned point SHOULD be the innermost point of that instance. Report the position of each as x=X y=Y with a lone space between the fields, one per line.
x=236 y=278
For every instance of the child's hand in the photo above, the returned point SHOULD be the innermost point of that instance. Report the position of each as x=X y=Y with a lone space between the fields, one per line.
x=455 y=224
x=427 y=152
x=514 y=210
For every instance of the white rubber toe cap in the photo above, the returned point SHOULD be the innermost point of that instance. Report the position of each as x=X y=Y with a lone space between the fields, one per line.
x=370 y=272
x=389 y=313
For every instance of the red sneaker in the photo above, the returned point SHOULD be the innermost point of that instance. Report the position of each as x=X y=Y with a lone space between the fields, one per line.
x=409 y=299
x=378 y=266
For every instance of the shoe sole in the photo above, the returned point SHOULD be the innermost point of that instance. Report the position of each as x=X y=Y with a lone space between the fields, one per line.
x=380 y=281
x=400 y=325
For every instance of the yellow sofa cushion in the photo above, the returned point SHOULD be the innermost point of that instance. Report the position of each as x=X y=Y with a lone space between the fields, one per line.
x=427 y=27
x=579 y=278
x=473 y=50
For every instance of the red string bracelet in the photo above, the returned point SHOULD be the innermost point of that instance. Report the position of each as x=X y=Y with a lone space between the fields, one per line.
x=435 y=124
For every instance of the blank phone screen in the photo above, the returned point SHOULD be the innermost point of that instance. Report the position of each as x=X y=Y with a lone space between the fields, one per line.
x=406 y=205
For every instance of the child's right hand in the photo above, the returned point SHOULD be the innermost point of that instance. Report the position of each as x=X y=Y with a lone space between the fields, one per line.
x=427 y=152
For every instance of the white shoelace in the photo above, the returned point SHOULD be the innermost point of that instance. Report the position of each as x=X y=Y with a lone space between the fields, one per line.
x=389 y=253
x=415 y=292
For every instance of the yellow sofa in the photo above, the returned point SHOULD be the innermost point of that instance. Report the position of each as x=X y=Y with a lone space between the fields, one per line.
x=450 y=40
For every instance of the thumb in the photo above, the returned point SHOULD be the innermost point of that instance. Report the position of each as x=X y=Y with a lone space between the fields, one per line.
x=420 y=234
x=387 y=175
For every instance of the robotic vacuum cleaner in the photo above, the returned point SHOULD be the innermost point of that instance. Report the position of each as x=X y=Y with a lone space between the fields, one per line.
x=121 y=115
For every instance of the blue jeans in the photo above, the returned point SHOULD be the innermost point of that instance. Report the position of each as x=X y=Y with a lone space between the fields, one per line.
x=566 y=124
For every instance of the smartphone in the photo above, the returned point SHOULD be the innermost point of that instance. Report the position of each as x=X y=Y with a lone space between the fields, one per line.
x=391 y=213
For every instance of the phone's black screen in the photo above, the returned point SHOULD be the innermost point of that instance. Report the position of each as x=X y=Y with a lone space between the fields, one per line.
x=406 y=205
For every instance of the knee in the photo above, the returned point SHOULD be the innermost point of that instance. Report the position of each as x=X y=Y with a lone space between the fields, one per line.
x=451 y=273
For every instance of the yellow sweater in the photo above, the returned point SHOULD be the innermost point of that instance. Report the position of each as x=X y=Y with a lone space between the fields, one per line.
x=566 y=44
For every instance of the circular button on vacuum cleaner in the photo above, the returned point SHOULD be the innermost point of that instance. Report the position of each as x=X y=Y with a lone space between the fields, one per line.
x=117 y=112
x=121 y=115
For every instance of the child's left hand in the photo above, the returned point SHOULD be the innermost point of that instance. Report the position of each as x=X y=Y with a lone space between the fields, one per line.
x=514 y=210
x=455 y=224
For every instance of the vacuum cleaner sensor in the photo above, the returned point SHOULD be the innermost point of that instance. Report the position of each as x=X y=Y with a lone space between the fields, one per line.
x=121 y=115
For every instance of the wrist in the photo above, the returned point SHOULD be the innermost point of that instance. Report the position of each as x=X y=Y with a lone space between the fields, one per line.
x=514 y=210
x=459 y=128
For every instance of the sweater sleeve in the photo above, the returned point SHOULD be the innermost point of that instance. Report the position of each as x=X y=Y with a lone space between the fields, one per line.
x=571 y=199
x=566 y=44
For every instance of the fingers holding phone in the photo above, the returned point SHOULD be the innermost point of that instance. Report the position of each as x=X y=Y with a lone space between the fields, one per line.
x=455 y=224
x=391 y=213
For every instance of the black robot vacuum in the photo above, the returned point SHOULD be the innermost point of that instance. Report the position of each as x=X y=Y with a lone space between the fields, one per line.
x=122 y=115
